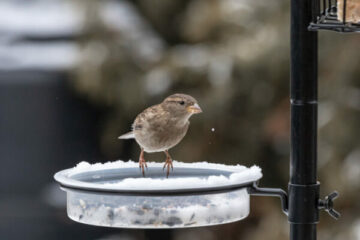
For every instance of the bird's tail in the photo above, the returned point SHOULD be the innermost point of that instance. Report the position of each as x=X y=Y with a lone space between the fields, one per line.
x=128 y=135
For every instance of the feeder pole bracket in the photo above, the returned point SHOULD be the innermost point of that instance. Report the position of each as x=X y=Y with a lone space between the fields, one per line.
x=273 y=192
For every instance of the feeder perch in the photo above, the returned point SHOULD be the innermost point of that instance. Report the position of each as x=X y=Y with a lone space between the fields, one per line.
x=336 y=15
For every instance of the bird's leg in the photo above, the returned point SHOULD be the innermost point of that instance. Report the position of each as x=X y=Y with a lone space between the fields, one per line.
x=168 y=163
x=142 y=163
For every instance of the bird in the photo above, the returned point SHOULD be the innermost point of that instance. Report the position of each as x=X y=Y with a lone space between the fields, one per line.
x=162 y=126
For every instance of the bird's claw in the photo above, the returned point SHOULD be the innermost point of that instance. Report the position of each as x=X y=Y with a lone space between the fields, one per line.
x=168 y=164
x=142 y=166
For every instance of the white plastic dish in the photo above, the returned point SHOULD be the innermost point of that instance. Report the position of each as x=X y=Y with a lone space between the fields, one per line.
x=195 y=194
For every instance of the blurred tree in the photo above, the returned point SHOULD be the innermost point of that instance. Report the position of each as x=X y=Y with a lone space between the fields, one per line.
x=233 y=56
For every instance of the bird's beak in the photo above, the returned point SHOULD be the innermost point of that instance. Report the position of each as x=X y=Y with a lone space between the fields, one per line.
x=194 y=108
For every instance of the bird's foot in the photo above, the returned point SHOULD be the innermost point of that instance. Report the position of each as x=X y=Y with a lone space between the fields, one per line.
x=168 y=164
x=142 y=166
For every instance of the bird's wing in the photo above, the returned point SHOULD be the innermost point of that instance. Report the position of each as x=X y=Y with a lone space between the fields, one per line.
x=142 y=119
x=128 y=135
x=148 y=117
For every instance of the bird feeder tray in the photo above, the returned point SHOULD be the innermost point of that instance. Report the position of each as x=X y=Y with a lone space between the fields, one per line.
x=195 y=194
x=336 y=15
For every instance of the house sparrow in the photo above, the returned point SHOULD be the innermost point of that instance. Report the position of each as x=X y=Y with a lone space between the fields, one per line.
x=162 y=126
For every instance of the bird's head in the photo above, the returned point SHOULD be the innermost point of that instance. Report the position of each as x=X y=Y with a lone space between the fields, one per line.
x=181 y=105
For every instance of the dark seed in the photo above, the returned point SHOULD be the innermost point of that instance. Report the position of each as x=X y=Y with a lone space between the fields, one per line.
x=110 y=214
x=156 y=212
x=171 y=221
x=140 y=212
x=146 y=207
x=174 y=211
x=137 y=222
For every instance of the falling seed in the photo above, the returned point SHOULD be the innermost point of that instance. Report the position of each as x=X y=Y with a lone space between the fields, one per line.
x=213 y=129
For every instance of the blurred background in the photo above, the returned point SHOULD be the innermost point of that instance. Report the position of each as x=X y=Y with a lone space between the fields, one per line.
x=74 y=74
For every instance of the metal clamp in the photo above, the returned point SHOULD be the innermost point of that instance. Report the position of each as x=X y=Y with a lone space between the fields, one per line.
x=277 y=192
x=328 y=205
x=303 y=203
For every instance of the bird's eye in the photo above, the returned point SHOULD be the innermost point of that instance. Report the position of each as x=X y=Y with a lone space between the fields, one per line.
x=182 y=102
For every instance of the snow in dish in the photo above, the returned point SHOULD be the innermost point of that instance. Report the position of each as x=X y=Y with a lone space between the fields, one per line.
x=237 y=174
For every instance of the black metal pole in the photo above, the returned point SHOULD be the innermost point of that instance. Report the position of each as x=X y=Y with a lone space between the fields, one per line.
x=303 y=187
